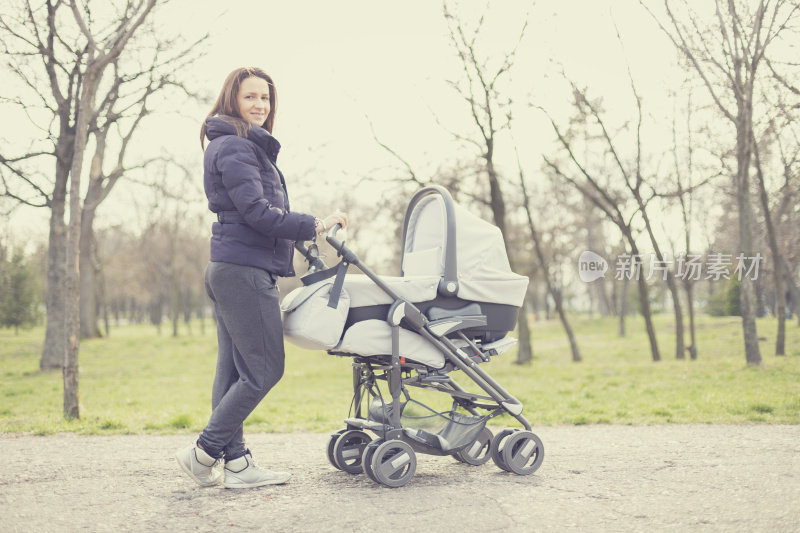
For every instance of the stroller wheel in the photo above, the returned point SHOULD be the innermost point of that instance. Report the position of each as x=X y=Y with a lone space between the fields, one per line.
x=479 y=451
x=348 y=448
x=366 y=458
x=497 y=449
x=393 y=463
x=331 y=444
x=523 y=453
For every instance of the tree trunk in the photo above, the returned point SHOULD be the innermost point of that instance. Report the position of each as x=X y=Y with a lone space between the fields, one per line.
x=573 y=344
x=689 y=288
x=524 y=351
x=679 y=344
x=670 y=279
x=55 y=347
x=747 y=295
x=623 y=306
x=793 y=289
x=648 y=318
x=772 y=238
x=644 y=303
x=88 y=283
x=72 y=279
x=55 y=338
x=496 y=200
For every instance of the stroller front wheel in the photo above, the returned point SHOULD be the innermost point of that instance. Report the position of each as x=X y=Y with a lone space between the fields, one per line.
x=393 y=463
x=523 y=453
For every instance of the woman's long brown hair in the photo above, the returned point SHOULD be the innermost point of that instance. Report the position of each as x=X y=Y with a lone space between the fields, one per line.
x=227 y=106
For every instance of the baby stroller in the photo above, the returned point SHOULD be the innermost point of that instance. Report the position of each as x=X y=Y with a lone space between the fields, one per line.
x=451 y=310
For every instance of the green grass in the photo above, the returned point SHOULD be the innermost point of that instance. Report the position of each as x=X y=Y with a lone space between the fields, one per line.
x=138 y=381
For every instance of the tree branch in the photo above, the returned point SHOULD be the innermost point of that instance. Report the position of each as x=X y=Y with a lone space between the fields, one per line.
x=412 y=175
x=683 y=46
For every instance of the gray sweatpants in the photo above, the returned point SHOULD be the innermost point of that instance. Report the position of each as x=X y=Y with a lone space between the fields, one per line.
x=250 y=360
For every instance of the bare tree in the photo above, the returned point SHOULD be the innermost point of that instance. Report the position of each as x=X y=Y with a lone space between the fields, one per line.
x=29 y=37
x=635 y=185
x=610 y=204
x=611 y=200
x=780 y=93
x=555 y=294
x=726 y=54
x=98 y=80
x=772 y=239
x=74 y=54
x=686 y=202
x=127 y=101
x=99 y=55
x=787 y=214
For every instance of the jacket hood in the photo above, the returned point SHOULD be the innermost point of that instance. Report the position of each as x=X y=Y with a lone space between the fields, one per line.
x=220 y=126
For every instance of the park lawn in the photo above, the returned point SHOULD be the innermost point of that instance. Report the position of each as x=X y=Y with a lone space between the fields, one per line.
x=139 y=381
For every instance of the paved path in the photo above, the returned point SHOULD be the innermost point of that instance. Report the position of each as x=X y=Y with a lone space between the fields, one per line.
x=594 y=478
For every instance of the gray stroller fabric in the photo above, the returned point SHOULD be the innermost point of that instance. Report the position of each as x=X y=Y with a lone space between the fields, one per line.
x=484 y=273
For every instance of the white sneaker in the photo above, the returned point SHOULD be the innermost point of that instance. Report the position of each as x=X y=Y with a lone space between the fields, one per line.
x=242 y=473
x=199 y=465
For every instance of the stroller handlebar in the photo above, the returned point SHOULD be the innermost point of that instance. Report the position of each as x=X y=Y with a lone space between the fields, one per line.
x=343 y=251
x=311 y=253
x=333 y=231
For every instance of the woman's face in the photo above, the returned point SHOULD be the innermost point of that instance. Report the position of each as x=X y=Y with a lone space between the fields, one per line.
x=253 y=100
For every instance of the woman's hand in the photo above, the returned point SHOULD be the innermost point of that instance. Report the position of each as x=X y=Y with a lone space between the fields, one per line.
x=328 y=222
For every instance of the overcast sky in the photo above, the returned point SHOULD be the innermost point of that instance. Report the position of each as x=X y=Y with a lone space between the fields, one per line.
x=345 y=67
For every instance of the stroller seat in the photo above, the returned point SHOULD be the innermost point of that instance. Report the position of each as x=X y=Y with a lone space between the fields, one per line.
x=364 y=292
x=369 y=338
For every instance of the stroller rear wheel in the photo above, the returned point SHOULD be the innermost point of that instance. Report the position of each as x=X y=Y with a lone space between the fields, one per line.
x=393 y=463
x=348 y=448
x=331 y=444
x=479 y=451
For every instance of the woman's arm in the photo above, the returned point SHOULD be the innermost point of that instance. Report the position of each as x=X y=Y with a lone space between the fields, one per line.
x=238 y=165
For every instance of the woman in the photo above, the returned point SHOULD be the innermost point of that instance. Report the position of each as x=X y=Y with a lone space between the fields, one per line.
x=251 y=245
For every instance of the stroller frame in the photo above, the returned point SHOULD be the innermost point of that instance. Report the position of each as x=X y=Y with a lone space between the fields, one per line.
x=390 y=459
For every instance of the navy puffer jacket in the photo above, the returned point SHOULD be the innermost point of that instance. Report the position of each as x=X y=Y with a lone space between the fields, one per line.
x=248 y=193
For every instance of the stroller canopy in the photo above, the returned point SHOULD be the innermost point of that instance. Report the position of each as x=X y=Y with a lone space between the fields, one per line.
x=442 y=238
